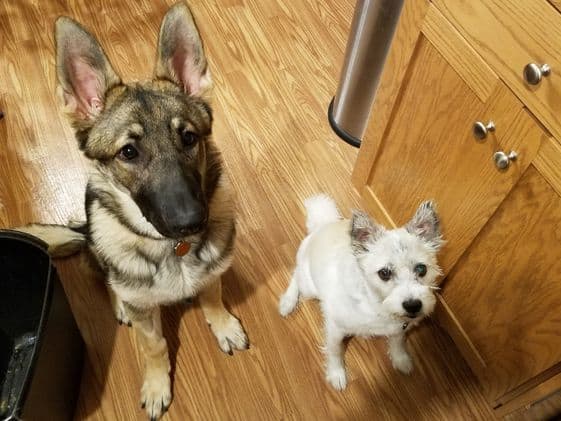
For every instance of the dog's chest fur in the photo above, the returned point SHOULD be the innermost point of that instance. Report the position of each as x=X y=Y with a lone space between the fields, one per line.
x=141 y=265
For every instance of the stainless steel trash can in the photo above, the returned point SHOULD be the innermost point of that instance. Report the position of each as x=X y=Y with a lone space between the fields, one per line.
x=372 y=31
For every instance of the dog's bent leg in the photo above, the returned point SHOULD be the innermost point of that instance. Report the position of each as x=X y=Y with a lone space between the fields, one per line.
x=156 y=389
x=334 y=352
x=227 y=329
x=289 y=299
x=398 y=353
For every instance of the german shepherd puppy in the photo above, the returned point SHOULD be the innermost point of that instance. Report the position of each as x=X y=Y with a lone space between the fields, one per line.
x=160 y=212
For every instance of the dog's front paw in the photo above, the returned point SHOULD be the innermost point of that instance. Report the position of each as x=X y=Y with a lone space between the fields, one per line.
x=156 y=394
x=230 y=334
x=403 y=363
x=287 y=304
x=120 y=312
x=337 y=377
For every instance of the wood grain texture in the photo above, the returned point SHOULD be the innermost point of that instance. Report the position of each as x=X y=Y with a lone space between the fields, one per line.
x=275 y=65
x=448 y=320
x=556 y=4
x=459 y=54
x=508 y=301
x=548 y=162
x=376 y=208
x=510 y=34
x=547 y=409
x=430 y=152
x=538 y=386
x=534 y=405
x=394 y=73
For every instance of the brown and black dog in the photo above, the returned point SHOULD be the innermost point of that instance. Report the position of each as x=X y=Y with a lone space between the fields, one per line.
x=160 y=209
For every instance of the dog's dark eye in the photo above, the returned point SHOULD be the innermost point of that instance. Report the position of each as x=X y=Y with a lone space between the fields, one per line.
x=385 y=274
x=420 y=270
x=128 y=152
x=188 y=138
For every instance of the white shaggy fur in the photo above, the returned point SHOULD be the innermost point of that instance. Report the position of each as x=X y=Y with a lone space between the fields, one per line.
x=339 y=262
x=321 y=210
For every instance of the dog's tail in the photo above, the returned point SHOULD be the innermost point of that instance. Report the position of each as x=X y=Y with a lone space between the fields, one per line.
x=321 y=210
x=62 y=240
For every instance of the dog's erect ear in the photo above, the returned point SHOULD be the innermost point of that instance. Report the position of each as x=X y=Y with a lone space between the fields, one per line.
x=181 y=58
x=363 y=231
x=426 y=224
x=83 y=71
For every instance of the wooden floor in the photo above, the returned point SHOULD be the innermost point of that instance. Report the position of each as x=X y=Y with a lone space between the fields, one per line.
x=275 y=65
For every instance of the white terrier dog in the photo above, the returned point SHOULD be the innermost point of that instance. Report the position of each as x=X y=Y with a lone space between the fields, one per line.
x=370 y=281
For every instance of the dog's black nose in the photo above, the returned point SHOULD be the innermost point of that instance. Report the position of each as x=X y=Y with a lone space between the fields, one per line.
x=412 y=306
x=191 y=226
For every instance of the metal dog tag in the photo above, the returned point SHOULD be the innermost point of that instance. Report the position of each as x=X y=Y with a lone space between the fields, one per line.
x=182 y=248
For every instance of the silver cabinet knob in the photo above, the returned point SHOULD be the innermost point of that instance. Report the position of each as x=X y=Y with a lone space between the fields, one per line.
x=480 y=129
x=502 y=160
x=533 y=73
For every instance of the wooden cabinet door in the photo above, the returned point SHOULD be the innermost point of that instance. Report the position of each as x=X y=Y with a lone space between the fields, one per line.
x=429 y=151
x=511 y=34
x=505 y=291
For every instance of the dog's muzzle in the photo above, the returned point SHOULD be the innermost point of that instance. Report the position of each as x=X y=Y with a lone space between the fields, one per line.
x=176 y=207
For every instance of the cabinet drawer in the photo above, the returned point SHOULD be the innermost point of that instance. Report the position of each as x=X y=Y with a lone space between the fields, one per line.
x=429 y=151
x=509 y=34
x=505 y=291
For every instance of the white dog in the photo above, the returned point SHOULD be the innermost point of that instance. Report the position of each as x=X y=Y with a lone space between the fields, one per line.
x=370 y=281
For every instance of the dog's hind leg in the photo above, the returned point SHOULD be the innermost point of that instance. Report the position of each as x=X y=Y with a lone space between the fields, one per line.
x=227 y=329
x=334 y=353
x=156 y=389
x=289 y=299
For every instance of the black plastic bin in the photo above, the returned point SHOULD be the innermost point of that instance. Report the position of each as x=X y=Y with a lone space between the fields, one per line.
x=41 y=350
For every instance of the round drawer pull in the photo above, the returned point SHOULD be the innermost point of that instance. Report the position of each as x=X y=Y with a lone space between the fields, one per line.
x=480 y=129
x=502 y=160
x=533 y=73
